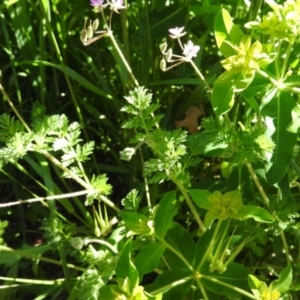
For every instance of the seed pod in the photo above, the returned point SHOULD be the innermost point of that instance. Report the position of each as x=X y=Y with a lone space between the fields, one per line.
x=163 y=47
x=90 y=31
x=83 y=36
x=162 y=64
x=169 y=55
x=97 y=231
x=95 y=24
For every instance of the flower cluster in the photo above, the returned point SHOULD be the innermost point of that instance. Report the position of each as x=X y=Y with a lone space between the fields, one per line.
x=189 y=50
x=114 y=5
x=87 y=33
x=282 y=22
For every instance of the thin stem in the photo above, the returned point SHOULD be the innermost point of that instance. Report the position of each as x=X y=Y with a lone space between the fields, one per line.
x=13 y=108
x=35 y=281
x=110 y=34
x=171 y=285
x=266 y=75
x=47 y=198
x=78 y=179
x=209 y=248
x=201 y=287
x=38 y=257
x=147 y=192
x=213 y=279
x=106 y=244
x=286 y=58
x=286 y=247
x=258 y=185
x=175 y=252
x=190 y=204
x=200 y=75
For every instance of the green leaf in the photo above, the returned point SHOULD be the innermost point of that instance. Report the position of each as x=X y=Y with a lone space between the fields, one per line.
x=200 y=198
x=181 y=241
x=295 y=124
x=256 y=286
x=72 y=74
x=148 y=258
x=125 y=268
x=164 y=214
x=276 y=109
x=284 y=281
x=257 y=213
x=222 y=97
x=136 y=222
x=226 y=31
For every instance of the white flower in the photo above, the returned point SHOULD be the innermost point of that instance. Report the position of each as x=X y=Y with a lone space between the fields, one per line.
x=116 y=4
x=190 y=50
x=176 y=32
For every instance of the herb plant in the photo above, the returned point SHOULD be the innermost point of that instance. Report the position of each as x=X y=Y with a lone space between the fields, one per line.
x=214 y=214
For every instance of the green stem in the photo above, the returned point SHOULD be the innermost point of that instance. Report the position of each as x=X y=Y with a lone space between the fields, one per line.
x=266 y=75
x=34 y=281
x=210 y=246
x=38 y=257
x=200 y=75
x=258 y=185
x=104 y=243
x=171 y=285
x=110 y=34
x=190 y=204
x=78 y=179
x=6 y=97
x=47 y=198
x=175 y=252
x=202 y=289
x=285 y=61
x=286 y=247
x=213 y=279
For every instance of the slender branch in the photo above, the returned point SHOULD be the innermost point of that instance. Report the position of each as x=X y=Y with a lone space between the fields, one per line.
x=47 y=198
x=175 y=252
x=38 y=257
x=190 y=204
x=6 y=97
x=286 y=247
x=171 y=285
x=110 y=34
x=213 y=279
x=258 y=185
x=200 y=75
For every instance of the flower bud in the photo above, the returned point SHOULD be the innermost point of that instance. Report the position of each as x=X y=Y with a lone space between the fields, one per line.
x=95 y=24
x=162 y=64
x=169 y=55
x=83 y=36
x=163 y=47
x=97 y=231
x=77 y=243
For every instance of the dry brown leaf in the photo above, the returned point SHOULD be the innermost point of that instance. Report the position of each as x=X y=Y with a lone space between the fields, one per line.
x=190 y=120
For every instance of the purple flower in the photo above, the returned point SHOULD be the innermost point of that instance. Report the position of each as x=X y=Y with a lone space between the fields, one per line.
x=96 y=3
